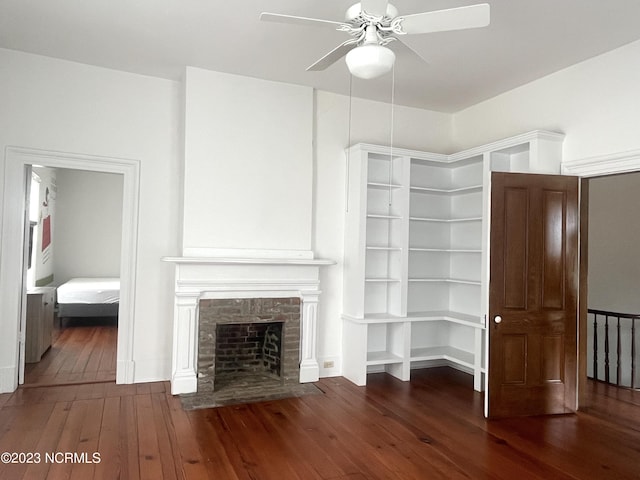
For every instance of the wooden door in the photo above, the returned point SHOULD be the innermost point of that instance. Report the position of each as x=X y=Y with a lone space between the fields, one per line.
x=533 y=294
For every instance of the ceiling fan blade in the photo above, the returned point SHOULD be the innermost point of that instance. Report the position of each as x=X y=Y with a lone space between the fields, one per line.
x=290 y=19
x=333 y=56
x=375 y=7
x=472 y=16
x=400 y=46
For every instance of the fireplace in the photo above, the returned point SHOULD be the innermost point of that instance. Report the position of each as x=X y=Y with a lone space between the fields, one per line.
x=234 y=283
x=248 y=342
x=247 y=350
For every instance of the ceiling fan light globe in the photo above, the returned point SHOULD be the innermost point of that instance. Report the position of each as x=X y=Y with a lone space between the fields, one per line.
x=370 y=61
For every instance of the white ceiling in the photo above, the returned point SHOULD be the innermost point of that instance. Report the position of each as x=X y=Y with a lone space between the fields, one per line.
x=526 y=40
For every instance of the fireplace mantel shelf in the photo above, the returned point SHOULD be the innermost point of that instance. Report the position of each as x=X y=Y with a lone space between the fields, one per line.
x=248 y=261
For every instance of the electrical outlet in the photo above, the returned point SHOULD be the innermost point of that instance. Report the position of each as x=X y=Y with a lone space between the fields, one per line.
x=328 y=364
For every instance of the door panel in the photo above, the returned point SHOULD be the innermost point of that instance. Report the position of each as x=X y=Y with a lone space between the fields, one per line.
x=554 y=239
x=515 y=359
x=533 y=289
x=515 y=249
x=552 y=358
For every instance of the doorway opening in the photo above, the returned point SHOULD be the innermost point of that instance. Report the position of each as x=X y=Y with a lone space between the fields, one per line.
x=15 y=234
x=612 y=331
x=73 y=278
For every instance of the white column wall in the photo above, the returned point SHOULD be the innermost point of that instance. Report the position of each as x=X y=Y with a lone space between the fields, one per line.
x=248 y=163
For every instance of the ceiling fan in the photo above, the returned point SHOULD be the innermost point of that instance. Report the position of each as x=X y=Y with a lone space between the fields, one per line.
x=372 y=25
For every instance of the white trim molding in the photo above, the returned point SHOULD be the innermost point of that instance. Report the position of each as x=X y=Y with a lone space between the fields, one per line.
x=621 y=162
x=17 y=160
x=212 y=252
x=198 y=278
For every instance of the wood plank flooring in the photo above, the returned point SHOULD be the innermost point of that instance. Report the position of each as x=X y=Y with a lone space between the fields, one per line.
x=429 y=428
x=79 y=354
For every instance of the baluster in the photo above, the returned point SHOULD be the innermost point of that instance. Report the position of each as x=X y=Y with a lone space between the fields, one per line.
x=618 y=353
x=606 y=348
x=595 y=346
x=633 y=353
x=621 y=363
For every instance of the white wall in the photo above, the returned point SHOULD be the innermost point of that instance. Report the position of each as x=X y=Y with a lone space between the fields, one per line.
x=370 y=123
x=595 y=103
x=614 y=246
x=248 y=163
x=63 y=106
x=88 y=233
x=239 y=132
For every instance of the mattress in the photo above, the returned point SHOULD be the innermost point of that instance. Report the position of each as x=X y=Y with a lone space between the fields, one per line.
x=89 y=291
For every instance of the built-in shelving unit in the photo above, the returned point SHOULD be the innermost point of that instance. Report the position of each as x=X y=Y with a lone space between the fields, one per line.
x=416 y=253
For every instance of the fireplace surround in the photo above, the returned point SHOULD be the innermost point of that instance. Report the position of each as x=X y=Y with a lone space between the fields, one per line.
x=231 y=276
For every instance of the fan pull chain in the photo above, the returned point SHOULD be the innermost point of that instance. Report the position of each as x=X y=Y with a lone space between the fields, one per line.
x=346 y=185
x=393 y=92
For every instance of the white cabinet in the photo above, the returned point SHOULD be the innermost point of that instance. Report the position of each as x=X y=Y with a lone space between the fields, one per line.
x=416 y=253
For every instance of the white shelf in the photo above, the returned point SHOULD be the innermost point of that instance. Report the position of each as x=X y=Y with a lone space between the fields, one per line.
x=450 y=161
x=416 y=229
x=444 y=250
x=447 y=191
x=379 y=185
x=445 y=220
x=445 y=280
x=461 y=357
x=437 y=316
x=382 y=358
x=474 y=321
x=384 y=217
x=247 y=261
x=374 y=318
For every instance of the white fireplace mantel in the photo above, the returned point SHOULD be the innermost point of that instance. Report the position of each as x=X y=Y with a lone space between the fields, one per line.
x=202 y=277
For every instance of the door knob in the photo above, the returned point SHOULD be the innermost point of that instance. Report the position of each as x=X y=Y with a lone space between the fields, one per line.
x=497 y=319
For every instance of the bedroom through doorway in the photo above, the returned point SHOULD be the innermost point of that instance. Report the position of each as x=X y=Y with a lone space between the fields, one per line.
x=73 y=276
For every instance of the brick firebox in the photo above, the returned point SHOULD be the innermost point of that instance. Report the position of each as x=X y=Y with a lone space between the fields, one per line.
x=246 y=311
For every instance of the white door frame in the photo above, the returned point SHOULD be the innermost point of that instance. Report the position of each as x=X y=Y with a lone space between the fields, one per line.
x=28 y=171
x=12 y=244
x=615 y=163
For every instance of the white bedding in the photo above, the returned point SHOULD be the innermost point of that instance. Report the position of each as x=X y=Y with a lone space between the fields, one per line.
x=90 y=290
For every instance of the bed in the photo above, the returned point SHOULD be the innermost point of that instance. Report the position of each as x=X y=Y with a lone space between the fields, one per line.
x=89 y=297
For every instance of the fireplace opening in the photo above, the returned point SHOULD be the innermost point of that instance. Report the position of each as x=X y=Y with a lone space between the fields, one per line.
x=248 y=349
x=248 y=354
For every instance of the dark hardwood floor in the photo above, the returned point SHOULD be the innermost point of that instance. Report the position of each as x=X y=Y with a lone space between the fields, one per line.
x=78 y=354
x=429 y=428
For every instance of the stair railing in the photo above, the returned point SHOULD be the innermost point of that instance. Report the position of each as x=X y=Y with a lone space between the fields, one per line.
x=624 y=356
